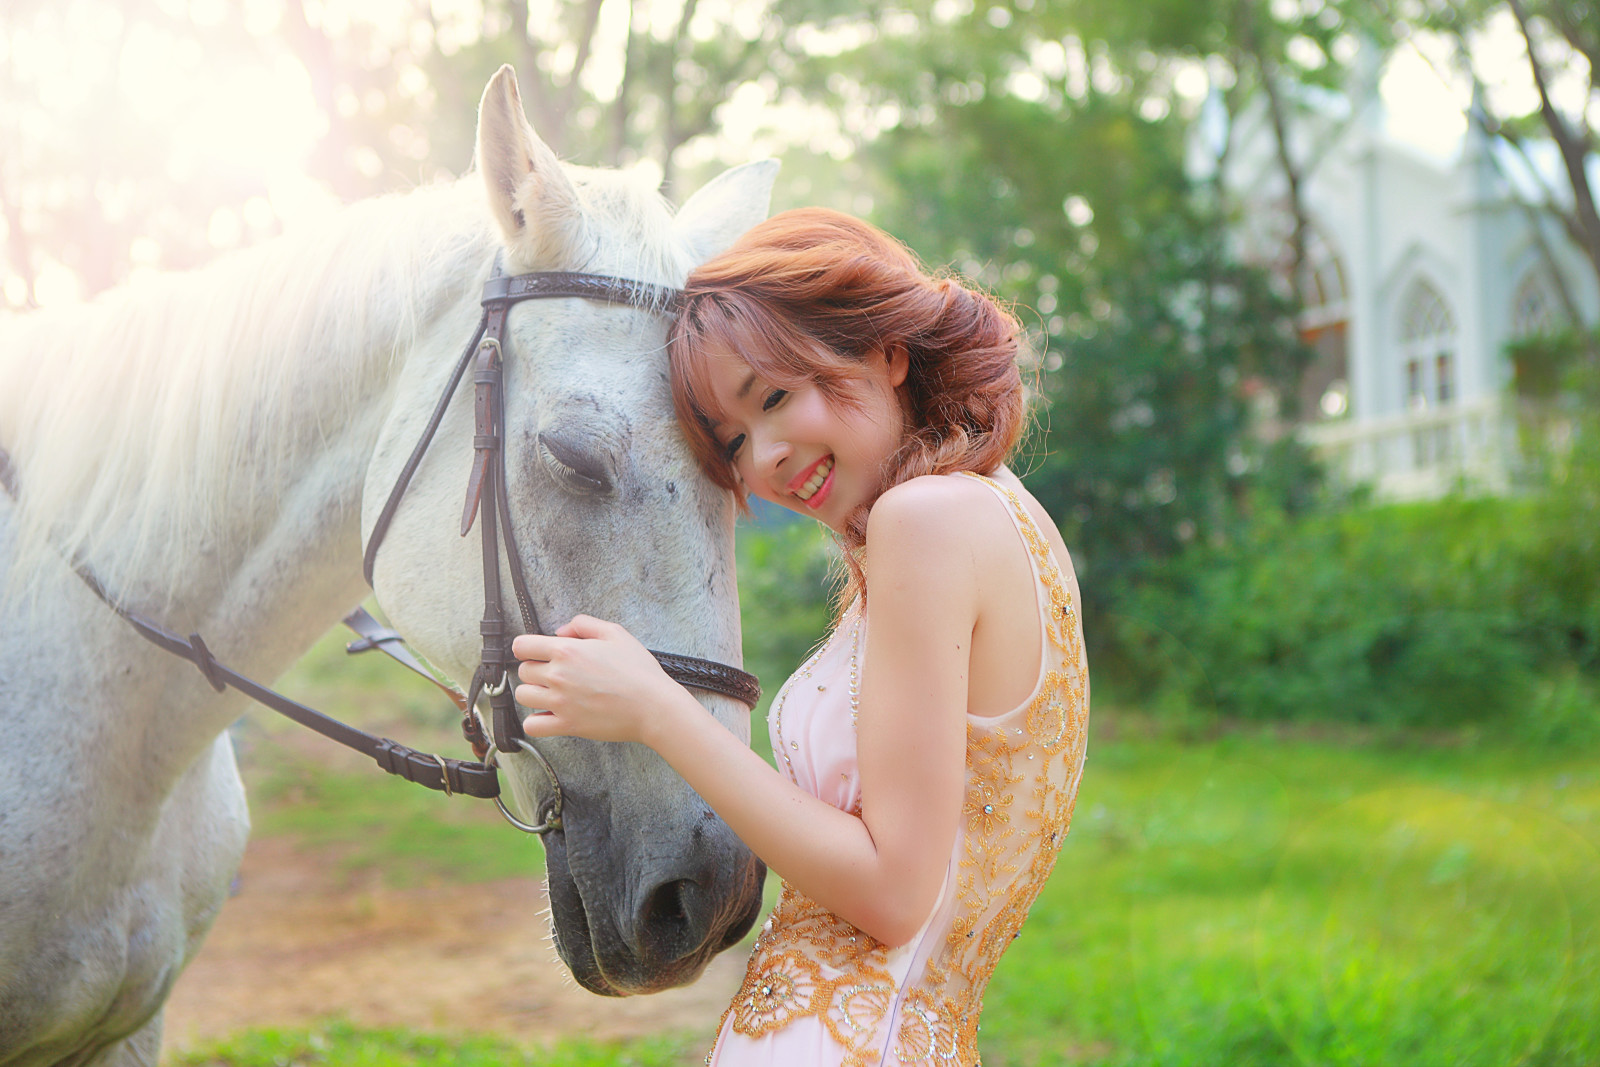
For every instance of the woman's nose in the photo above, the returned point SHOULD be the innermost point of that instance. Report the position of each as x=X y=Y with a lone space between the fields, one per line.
x=770 y=452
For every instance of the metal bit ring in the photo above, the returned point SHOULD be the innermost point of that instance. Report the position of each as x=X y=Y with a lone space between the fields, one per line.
x=552 y=818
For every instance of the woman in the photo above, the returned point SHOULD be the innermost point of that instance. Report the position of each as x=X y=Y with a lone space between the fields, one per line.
x=929 y=752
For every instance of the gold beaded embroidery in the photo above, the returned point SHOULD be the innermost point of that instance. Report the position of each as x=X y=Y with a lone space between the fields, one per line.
x=1022 y=784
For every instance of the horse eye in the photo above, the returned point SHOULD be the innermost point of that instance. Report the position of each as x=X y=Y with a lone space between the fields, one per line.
x=576 y=470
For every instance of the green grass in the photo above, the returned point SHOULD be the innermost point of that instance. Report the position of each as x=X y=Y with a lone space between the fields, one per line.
x=1256 y=902
x=347 y=1046
x=1246 y=900
x=370 y=821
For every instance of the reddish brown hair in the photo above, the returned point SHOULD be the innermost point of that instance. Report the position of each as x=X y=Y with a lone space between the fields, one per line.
x=810 y=295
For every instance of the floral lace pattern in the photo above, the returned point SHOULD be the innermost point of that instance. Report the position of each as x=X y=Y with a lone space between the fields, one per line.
x=1023 y=770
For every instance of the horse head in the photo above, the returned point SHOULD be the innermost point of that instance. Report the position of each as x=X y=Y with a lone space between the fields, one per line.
x=611 y=518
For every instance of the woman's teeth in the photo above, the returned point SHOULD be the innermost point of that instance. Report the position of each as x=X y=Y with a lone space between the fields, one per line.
x=814 y=482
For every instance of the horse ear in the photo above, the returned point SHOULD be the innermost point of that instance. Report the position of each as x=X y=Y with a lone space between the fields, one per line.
x=725 y=207
x=529 y=195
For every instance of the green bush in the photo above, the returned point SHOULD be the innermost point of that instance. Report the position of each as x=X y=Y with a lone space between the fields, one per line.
x=786 y=570
x=1441 y=614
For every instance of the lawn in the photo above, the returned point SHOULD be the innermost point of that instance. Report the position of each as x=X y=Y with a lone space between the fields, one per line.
x=1248 y=899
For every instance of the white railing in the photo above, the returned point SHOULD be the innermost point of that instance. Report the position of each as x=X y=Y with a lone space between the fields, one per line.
x=1421 y=454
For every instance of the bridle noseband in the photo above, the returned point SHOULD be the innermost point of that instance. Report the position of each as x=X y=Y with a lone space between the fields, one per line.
x=488 y=503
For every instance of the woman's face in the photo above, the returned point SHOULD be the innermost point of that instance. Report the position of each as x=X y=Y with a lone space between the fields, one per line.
x=800 y=450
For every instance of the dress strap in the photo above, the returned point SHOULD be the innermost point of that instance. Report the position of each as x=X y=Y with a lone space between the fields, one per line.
x=1055 y=603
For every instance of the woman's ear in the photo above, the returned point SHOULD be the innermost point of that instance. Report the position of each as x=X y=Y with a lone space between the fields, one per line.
x=899 y=364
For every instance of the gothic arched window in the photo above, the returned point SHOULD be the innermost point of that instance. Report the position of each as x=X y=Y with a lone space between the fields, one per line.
x=1324 y=320
x=1427 y=346
x=1534 y=309
x=1322 y=288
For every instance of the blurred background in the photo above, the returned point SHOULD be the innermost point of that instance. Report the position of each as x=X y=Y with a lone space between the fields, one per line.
x=1312 y=290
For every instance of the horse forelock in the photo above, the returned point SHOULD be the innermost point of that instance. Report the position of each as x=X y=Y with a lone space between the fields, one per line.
x=137 y=420
x=627 y=228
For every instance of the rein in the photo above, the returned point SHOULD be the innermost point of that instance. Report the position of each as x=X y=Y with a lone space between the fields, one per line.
x=488 y=502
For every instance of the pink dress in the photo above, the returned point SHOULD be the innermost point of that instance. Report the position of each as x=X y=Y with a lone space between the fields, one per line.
x=818 y=992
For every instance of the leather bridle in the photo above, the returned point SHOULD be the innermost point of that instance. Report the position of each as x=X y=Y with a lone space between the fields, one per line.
x=488 y=502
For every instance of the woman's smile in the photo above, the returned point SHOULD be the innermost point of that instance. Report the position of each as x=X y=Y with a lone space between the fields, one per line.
x=815 y=483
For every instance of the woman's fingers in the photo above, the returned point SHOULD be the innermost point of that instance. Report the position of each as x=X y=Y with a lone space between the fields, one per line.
x=535 y=646
x=597 y=679
x=533 y=695
x=549 y=724
x=585 y=626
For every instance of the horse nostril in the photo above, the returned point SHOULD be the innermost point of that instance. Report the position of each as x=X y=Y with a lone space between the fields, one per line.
x=667 y=922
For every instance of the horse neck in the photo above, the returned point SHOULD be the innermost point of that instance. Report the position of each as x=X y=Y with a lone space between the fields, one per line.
x=200 y=441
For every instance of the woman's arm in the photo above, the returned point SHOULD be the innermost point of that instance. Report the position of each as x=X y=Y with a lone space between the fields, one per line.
x=880 y=871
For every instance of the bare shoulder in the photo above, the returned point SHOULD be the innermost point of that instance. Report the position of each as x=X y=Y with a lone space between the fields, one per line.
x=929 y=543
x=935 y=512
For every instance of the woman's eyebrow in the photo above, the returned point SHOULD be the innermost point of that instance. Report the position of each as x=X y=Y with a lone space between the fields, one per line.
x=749 y=383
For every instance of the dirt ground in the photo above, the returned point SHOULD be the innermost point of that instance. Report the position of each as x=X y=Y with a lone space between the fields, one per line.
x=298 y=943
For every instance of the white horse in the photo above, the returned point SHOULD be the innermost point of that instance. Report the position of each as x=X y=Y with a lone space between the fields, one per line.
x=214 y=446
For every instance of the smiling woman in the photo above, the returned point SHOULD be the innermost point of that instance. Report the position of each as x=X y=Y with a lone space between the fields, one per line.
x=930 y=758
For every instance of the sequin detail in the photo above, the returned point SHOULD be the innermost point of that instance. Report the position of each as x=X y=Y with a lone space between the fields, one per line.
x=776 y=715
x=1023 y=770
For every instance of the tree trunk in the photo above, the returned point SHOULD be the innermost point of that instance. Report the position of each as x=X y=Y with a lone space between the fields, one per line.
x=671 y=133
x=621 y=108
x=19 y=249
x=1574 y=146
x=537 y=89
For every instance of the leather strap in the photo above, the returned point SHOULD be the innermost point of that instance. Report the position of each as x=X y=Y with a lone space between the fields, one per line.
x=544 y=285
x=390 y=506
x=435 y=772
x=488 y=477
x=376 y=637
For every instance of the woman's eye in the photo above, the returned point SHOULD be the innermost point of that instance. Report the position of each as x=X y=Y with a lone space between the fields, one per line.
x=773 y=398
x=731 y=449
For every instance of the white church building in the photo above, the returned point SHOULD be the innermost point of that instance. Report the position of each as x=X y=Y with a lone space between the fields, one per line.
x=1420 y=269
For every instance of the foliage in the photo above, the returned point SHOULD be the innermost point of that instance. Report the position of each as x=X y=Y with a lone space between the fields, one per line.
x=1042 y=152
x=1551 y=365
x=1154 y=438
x=1561 y=42
x=99 y=177
x=1441 y=614
x=785 y=577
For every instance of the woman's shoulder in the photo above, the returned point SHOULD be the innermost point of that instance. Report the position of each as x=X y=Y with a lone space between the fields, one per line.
x=962 y=514
x=940 y=498
x=947 y=510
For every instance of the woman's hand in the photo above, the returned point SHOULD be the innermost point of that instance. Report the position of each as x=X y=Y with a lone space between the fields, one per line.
x=592 y=679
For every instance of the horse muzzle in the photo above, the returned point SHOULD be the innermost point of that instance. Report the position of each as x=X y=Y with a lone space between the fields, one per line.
x=631 y=916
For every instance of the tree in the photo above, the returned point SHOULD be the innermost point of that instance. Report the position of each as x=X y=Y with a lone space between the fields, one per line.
x=92 y=186
x=1048 y=163
x=1561 y=41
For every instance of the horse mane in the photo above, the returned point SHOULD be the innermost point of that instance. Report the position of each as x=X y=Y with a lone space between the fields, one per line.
x=137 y=420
